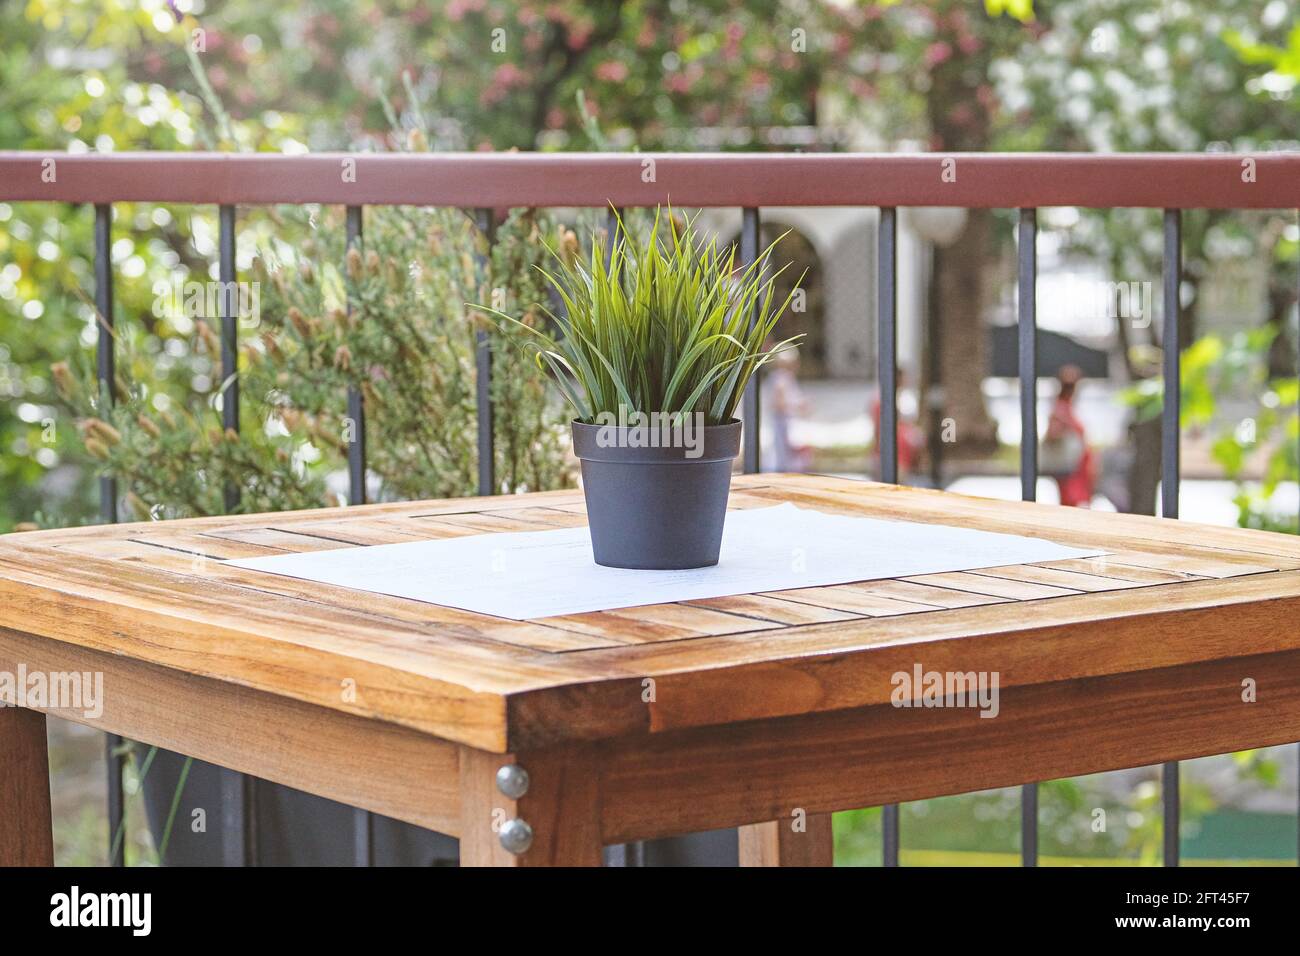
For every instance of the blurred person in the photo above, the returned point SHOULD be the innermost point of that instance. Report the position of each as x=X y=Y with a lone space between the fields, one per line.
x=911 y=438
x=1115 y=471
x=783 y=401
x=1069 y=460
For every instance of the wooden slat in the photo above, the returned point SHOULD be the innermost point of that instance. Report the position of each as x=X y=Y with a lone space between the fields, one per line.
x=995 y=587
x=854 y=598
x=1107 y=567
x=740 y=499
x=768 y=608
x=1055 y=577
x=932 y=595
x=479 y=523
x=205 y=545
x=289 y=541
x=578 y=507
x=364 y=531
x=658 y=622
x=616 y=630
x=701 y=621
x=546 y=517
x=1200 y=563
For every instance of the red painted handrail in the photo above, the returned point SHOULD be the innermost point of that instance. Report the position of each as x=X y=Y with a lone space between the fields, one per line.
x=974 y=180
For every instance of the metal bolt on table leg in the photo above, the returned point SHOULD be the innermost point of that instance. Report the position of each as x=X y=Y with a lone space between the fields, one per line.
x=512 y=781
x=516 y=836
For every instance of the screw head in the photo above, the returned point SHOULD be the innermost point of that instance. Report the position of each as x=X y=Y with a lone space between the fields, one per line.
x=516 y=836
x=512 y=781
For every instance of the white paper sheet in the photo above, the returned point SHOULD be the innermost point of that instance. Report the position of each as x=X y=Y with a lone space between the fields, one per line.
x=534 y=574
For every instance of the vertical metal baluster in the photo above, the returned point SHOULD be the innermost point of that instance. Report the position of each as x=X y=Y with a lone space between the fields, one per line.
x=238 y=791
x=612 y=219
x=749 y=250
x=363 y=823
x=887 y=342
x=356 y=401
x=619 y=854
x=105 y=355
x=891 y=834
x=483 y=218
x=226 y=302
x=1028 y=329
x=106 y=373
x=1170 y=468
x=887 y=440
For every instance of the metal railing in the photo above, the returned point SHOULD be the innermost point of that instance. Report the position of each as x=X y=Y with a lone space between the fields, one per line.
x=481 y=183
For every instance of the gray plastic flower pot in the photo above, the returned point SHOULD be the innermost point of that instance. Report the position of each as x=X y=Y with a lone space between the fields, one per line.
x=658 y=507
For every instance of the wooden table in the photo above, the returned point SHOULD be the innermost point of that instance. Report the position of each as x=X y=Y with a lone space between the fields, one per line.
x=762 y=711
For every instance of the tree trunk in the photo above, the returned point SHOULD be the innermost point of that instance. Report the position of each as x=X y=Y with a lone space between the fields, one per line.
x=963 y=358
x=1144 y=476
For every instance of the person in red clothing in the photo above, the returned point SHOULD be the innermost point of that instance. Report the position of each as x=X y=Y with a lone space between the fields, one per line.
x=1077 y=486
x=911 y=440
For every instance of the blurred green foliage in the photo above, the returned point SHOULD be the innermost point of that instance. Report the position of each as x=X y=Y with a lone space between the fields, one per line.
x=1234 y=369
x=327 y=74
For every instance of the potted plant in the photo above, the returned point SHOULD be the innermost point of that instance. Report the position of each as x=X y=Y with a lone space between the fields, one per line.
x=655 y=342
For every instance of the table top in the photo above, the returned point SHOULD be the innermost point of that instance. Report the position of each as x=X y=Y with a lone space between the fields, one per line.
x=1168 y=593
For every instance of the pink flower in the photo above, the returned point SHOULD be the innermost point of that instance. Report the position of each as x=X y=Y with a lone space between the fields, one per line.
x=579 y=35
x=612 y=71
x=937 y=53
x=507 y=75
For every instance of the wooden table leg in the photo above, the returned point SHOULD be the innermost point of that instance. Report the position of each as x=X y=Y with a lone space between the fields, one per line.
x=560 y=807
x=26 y=838
x=789 y=842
